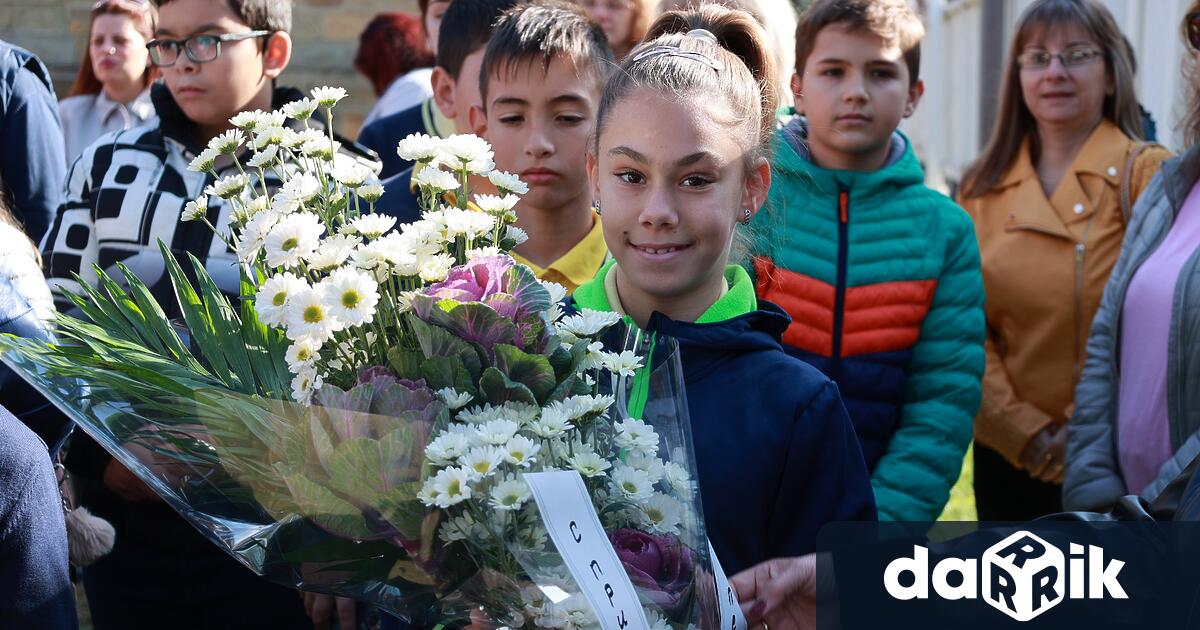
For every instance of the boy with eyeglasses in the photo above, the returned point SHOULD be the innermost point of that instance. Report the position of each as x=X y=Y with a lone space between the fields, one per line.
x=124 y=194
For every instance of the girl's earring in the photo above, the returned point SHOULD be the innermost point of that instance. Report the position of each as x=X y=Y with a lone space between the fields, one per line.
x=746 y=216
x=596 y=205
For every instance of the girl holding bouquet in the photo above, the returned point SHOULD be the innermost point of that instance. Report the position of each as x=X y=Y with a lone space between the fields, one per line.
x=680 y=166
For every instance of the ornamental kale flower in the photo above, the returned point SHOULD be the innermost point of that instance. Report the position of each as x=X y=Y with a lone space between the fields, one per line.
x=661 y=566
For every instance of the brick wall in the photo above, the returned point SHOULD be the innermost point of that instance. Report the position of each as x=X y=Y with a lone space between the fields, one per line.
x=325 y=32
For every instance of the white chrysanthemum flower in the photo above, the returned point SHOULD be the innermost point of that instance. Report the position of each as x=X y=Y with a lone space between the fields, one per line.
x=372 y=257
x=678 y=478
x=435 y=268
x=648 y=462
x=433 y=178
x=271 y=300
x=418 y=147
x=195 y=209
x=256 y=205
x=481 y=415
x=589 y=464
x=302 y=354
x=663 y=513
x=304 y=384
x=453 y=398
x=321 y=148
x=557 y=291
x=482 y=461
x=228 y=187
x=227 y=143
x=510 y=495
x=492 y=204
x=294 y=238
x=447 y=448
x=204 y=162
x=295 y=139
x=333 y=251
x=300 y=109
x=308 y=317
x=517 y=235
x=588 y=323
x=482 y=252
x=590 y=405
x=624 y=363
x=273 y=135
x=264 y=158
x=371 y=192
x=497 y=432
x=351 y=296
x=253 y=233
x=373 y=225
x=468 y=223
x=552 y=423
x=460 y=527
x=637 y=436
x=351 y=175
x=327 y=96
x=247 y=121
x=508 y=183
x=464 y=151
x=303 y=187
x=449 y=486
x=656 y=621
x=521 y=451
x=595 y=356
x=632 y=483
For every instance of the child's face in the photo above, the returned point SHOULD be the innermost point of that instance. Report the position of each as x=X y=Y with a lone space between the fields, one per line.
x=672 y=183
x=433 y=20
x=538 y=124
x=456 y=97
x=854 y=91
x=238 y=79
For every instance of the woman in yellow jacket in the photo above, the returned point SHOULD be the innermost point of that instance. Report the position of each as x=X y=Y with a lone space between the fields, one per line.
x=1049 y=197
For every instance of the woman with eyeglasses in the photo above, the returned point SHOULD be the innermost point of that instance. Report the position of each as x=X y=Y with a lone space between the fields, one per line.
x=112 y=90
x=1050 y=197
x=1137 y=407
x=624 y=22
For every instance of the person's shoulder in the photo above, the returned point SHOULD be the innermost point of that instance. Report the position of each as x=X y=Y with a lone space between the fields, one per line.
x=76 y=105
x=392 y=124
x=20 y=453
x=14 y=59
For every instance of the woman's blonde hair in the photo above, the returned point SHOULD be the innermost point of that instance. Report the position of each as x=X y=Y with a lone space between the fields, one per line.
x=1014 y=122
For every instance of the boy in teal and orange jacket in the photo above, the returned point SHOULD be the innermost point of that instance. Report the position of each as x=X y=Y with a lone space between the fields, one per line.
x=880 y=274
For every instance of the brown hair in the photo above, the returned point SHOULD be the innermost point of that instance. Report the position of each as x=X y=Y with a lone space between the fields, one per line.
x=1014 y=122
x=746 y=78
x=891 y=20
x=144 y=19
x=1191 y=119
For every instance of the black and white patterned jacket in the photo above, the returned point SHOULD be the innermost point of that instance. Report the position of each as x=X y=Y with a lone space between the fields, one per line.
x=127 y=191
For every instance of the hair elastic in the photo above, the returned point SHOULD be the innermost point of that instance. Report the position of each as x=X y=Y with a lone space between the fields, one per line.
x=675 y=51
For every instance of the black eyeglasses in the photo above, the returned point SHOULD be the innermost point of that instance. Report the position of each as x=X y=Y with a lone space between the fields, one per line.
x=1193 y=29
x=199 y=48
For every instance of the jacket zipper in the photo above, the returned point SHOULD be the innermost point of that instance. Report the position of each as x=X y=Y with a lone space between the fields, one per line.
x=839 y=300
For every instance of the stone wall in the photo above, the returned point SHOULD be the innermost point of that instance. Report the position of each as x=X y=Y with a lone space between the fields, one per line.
x=325 y=32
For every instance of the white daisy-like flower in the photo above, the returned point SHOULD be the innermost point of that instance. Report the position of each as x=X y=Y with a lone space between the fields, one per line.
x=450 y=486
x=304 y=384
x=228 y=187
x=464 y=151
x=418 y=147
x=302 y=354
x=301 y=109
x=678 y=478
x=264 y=158
x=483 y=252
x=195 y=209
x=253 y=233
x=227 y=143
x=322 y=149
x=333 y=251
x=482 y=461
x=435 y=179
x=516 y=235
x=372 y=257
x=481 y=415
x=497 y=432
x=648 y=462
x=351 y=296
x=632 y=483
x=271 y=300
x=557 y=291
x=294 y=238
x=373 y=225
x=327 y=96
x=595 y=355
x=435 y=268
x=447 y=448
x=591 y=405
x=204 y=162
x=370 y=193
x=624 y=363
x=453 y=398
x=293 y=139
x=521 y=451
x=303 y=186
x=460 y=527
x=307 y=317
x=656 y=621
x=663 y=513
x=552 y=423
x=588 y=323
x=468 y=223
x=508 y=183
x=637 y=436
x=351 y=175
x=247 y=121
x=589 y=464
x=510 y=495
x=273 y=135
x=256 y=205
x=492 y=204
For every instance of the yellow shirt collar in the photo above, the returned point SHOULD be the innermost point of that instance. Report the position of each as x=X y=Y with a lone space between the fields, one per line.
x=578 y=265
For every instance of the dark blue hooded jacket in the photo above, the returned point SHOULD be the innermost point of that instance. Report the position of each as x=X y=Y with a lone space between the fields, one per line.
x=776 y=453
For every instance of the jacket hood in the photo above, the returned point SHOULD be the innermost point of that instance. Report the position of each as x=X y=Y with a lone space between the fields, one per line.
x=754 y=331
x=792 y=158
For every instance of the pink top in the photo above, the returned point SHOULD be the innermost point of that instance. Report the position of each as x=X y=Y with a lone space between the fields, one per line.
x=1142 y=429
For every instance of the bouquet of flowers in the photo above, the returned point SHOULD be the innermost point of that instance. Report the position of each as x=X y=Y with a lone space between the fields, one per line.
x=399 y=415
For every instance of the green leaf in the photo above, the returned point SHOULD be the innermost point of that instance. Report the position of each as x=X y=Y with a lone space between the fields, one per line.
x=405 y=363
x=326 y=509
x=439 y=342
x=441 y=372
x=157 y=319
x=198 y=321
x=227 y=328
x=497 y=389
x=531 y=370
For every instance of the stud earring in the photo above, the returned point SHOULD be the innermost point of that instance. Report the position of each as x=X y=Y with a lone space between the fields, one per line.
x=746 y=216
x=596 y=205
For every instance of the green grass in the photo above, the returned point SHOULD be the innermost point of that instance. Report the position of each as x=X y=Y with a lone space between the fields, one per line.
x=962 y=496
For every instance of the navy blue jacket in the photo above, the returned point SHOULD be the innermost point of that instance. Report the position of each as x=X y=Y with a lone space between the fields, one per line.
x=776 y=452
x=35 y=581
x=33 y=164
x=383 y=134
x=398 y=200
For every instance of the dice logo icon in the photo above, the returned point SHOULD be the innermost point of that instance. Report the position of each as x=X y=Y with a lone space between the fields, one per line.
x=1023 y=576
